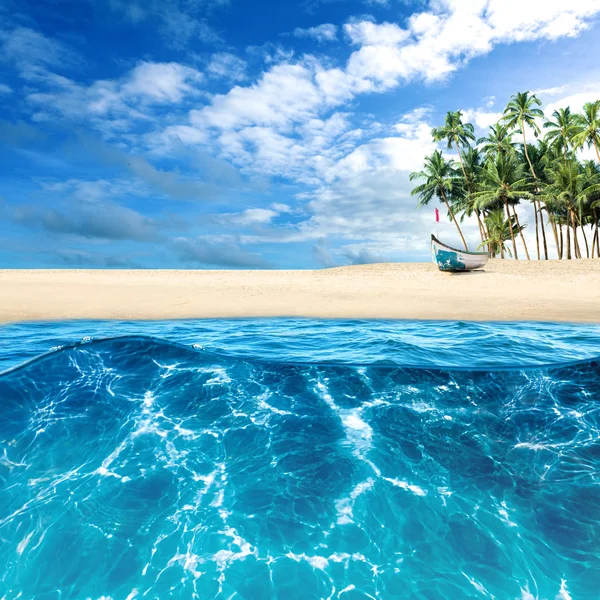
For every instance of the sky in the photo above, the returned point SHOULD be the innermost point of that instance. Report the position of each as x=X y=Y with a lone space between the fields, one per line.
x=228 y=134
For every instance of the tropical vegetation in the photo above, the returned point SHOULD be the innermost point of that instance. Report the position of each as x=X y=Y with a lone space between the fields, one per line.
x=527 y=157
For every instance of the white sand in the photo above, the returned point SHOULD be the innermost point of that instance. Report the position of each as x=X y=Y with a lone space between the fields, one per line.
x=507 y=290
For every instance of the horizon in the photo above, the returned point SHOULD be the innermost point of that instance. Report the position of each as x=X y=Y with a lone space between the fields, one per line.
x=222 y=134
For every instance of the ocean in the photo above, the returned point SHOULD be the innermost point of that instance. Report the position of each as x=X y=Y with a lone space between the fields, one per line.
x=299 y=459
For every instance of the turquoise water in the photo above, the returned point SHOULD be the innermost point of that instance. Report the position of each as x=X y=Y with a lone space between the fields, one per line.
x=300 y=459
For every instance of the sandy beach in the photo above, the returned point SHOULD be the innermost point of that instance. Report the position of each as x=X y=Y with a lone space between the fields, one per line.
x=505 y=291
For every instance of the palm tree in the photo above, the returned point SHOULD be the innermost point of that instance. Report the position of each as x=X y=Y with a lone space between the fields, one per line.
x=440 y=181
x=541 y=156
x=571 y=187
x=561 y=130
x=472 y=162
x=595 y=208
x=499 y=233
x=499 y=141
x=456 y=133
x=588 y=127
x=591 y=171
x=503 y=184
x=522 y=111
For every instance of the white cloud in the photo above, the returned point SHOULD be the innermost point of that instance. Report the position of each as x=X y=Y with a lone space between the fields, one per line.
x=367 y=33
x=5 y=89
x=553 y=91
x=285 y=94
x=294 y=122
x=162 y=83
x=227 y=66
x=251 y=216
x=441 y=39
x=27 y=49
x=575 y=99
x=321 y=33
x=481 y=117
x=112 y=105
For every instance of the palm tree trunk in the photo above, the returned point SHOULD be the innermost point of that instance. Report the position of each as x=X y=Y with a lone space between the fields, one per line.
x=512 y=235
x=543 y=229
x=587 y=248
x=481 y=228
x=462 y=237
x=521 y=233
x=462 y=166
x=568 y=241
x=527 y=153
x=555 y=232
x=534 y=206
x=597 y=152
x=575 y=241
x=486 y=230
x=597 y=235
x=537 y=235
x=562 y=243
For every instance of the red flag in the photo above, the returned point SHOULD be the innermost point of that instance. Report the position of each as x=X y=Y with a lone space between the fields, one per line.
x=437 y=215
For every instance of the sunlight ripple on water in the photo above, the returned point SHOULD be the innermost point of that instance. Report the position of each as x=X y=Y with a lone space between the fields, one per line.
x=300 y=459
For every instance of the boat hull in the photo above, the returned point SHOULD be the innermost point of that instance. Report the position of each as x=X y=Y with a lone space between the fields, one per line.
x=453 y=260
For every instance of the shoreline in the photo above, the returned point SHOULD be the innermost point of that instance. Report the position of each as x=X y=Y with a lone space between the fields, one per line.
x=562 y=291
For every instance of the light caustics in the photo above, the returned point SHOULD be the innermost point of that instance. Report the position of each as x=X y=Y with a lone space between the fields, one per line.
x=140 y=468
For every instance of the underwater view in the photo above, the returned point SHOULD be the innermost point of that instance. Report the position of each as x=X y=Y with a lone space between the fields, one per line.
x=299 y=459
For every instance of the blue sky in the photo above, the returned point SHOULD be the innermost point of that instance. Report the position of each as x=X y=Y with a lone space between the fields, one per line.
x=238 y=134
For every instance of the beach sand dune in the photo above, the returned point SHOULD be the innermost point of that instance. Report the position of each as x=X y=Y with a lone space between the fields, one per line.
x=505 y=291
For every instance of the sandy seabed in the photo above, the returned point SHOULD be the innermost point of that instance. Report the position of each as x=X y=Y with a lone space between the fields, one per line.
x=504 y=291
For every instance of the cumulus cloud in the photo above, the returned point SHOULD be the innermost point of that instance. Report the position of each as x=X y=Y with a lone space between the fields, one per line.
x=481 y=117
x=118 y=102
x=253 y=217
x=327 y=32
x=439 y=40
x=575 y=97
x=227 y=66
x=294 y=122
x=368 y=33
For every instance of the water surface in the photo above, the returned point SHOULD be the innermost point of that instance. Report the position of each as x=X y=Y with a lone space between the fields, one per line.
x=300 y=459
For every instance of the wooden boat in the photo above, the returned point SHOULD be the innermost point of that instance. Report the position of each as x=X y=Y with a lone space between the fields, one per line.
x=451 y=259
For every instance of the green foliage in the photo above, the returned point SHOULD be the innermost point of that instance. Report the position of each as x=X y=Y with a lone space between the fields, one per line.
x=523 y=110
x=498 y=229
x=440 y=179
x=496 y=173
x=499 y=141
x=503 y=180
x=588 y=122
x=562 y=130
x=454 y=131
